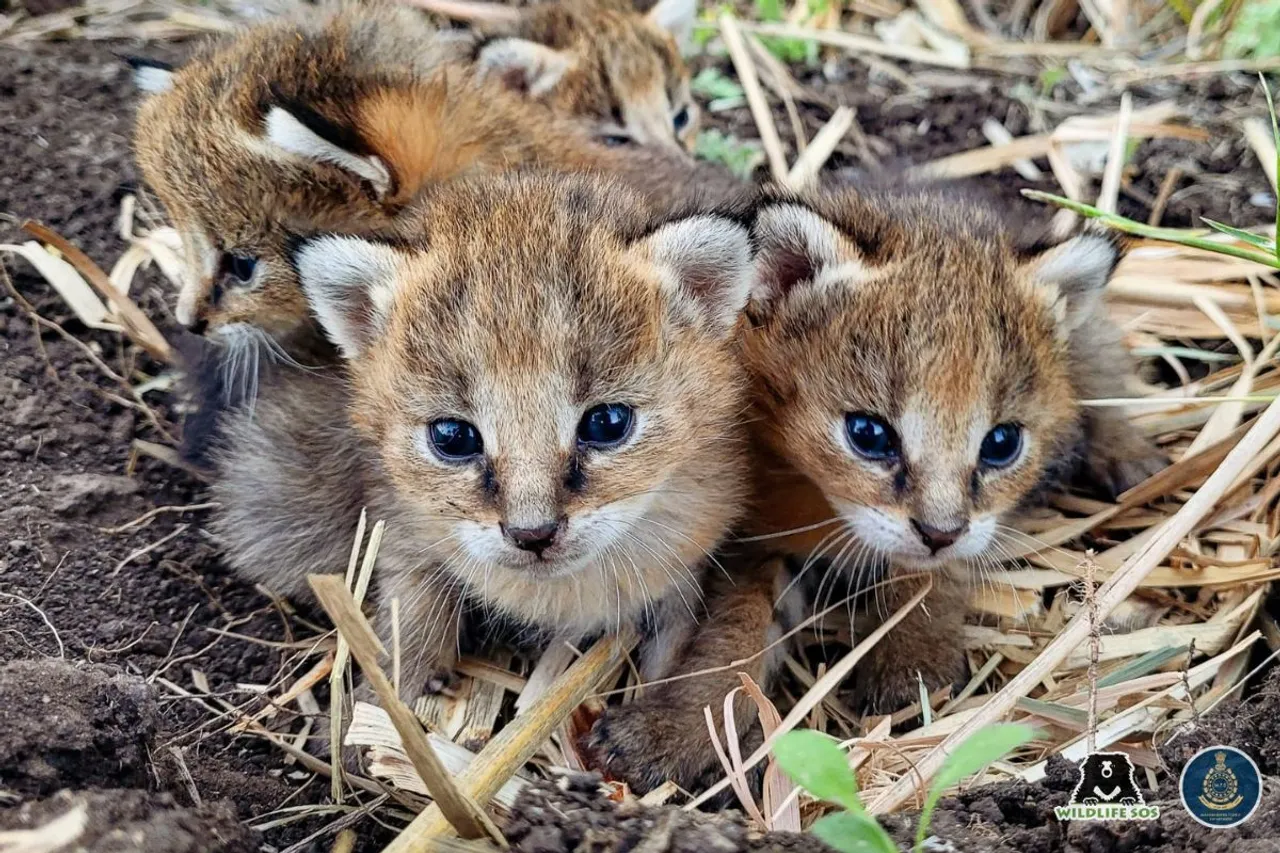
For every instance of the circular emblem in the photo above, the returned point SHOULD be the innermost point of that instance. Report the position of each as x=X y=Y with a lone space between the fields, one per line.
x=1220 y=787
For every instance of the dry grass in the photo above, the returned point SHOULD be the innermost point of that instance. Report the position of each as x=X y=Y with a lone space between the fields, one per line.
x=1184 y=561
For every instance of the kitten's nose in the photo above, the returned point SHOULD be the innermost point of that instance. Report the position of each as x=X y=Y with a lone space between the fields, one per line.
x=934 y=539
x=199 y=326
x=535 y=539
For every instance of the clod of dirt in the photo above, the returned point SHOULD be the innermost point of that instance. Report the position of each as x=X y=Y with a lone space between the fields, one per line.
x=72 y=726
x=83 y=493
x=133 y=821
x=574 y=816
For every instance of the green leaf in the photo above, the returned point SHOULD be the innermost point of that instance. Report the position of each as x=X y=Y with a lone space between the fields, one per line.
x=741 y=158
x=818 y=765
x=983 y=747
x=769 y=11
x=853 y=832
x=1168 y=235
x=1260 y=240
x=1152 y=661
x=711 y=83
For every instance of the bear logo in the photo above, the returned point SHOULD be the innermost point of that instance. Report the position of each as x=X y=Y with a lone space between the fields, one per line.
x=1106 y=778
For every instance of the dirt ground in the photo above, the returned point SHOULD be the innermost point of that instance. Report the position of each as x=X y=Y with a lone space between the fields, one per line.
x=99 y=628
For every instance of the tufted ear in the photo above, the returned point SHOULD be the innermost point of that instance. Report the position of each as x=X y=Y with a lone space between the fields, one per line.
x=150 y=75
x=524 y=66
x=796 y=248
x=705 y=263
x=350 y=284
x=676 y=17
x=310 y=136
x=1072 y=276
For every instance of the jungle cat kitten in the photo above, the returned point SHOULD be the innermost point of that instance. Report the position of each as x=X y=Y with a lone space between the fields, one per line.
x=917 y=377
x=547 y=406
x=335 y=125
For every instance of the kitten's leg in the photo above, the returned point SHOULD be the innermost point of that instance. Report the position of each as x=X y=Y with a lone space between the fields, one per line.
x=1117 y=456
x=663 y=735
x=927 y=641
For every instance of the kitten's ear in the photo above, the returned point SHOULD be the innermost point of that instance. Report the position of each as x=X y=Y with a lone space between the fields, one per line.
x=1072 y=276
x=524 y=66
x=309 y=135
x=350 y=284
x=676 y=17
x=797 y=248
x=705 y=263
x=150 y=75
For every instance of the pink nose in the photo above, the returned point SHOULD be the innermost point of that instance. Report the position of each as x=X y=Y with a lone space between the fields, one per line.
x=934 y=539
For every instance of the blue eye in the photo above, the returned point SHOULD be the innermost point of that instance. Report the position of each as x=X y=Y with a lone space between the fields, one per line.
x=616 y=140
x=455 y=439
x=871 y=437
x=239 y=267
x=681 y=120
x=606 y=425
x=1000 y=446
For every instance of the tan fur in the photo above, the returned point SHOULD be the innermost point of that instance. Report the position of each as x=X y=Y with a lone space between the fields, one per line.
x=517 y=304
x=399 y=94
x=919 y=309
x=626 y=77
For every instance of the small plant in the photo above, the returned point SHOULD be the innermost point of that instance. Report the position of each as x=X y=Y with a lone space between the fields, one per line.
x=786 y=49
x=721 y=91
x=1256 y=33
x=1258 y=247
x=739 y=157
x=818 y=765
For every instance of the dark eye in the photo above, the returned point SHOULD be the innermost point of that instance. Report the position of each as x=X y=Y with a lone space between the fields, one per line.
x=1000 y=446
x=455 y=439
x=681 y=119
x=871 y=437
x=616 y=140
x=239 y=267
x=604 y=426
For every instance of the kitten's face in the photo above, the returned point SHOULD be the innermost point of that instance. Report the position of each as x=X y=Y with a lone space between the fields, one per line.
x=617 y=71
x=915 y=367
x=549 y=393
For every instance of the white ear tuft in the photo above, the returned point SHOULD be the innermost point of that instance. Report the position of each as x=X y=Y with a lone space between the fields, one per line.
x=796 y=247
x=150 y=76
x=1072 y=275
x=524 y=66
x=287 y=132
x=706 y=262
x=676 y=17
x=350 y=284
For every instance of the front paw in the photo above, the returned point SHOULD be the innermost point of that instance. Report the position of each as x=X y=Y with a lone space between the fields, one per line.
x=645 y=744
x=884 y=685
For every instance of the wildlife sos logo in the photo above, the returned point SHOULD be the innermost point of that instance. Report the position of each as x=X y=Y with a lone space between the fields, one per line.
x=1220 y=787
x=1107 y=791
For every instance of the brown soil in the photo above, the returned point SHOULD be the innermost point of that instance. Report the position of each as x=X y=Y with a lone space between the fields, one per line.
x=92 y=626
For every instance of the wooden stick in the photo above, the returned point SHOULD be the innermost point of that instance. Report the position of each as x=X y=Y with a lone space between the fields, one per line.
x=1109 y=194
x=805 y=170
x=469 y=11
x=141 y=330
x=467 y=818
x=1121 y=584
x=746 y=68
x=859 y=44
x=516 y=744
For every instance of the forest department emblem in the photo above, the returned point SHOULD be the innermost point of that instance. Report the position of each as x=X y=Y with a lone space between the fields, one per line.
x=1221 y=787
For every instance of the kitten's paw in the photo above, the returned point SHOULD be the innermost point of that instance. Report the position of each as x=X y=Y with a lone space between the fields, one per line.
x=629 y=743
x=885 y=686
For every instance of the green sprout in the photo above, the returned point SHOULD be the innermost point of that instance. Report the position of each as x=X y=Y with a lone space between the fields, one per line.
x=739 y=157
x=1258 y=247
x=817 y=764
